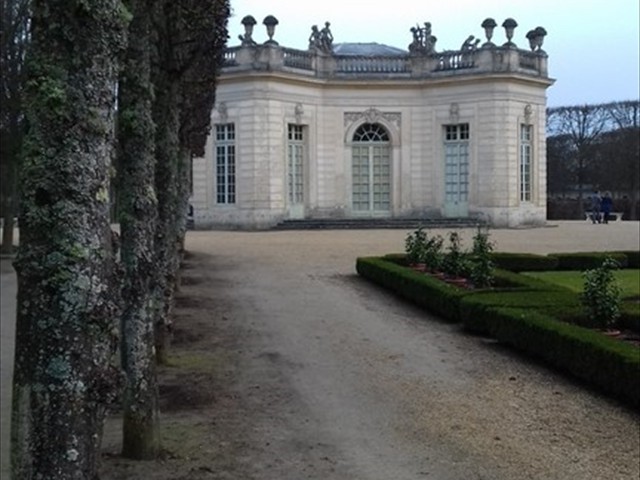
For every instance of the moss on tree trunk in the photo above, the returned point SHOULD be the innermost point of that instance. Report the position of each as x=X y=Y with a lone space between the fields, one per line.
x=168 y=157
x=66 y=331
x=138 y=216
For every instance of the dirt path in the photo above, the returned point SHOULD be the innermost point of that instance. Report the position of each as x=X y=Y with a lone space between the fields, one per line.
x=287 y=366
x=326 y=377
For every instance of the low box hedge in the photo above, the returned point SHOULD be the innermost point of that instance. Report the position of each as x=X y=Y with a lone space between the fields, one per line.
x=587 y=260
x=562 y=304
x=522 y=312
x=608 y=364
x=523 y=262
x=633 y=258
x=423 y=290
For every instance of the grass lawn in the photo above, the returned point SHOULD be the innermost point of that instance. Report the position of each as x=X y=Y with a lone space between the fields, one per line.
x=628 y=279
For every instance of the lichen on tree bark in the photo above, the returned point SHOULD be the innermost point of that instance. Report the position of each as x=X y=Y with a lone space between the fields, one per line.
x=138 y=217
x=66 y=331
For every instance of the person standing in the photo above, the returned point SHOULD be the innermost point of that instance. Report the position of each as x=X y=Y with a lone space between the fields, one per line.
x=605 y=206
x=595 y=207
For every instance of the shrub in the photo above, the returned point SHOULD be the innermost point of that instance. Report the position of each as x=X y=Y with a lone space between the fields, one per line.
x=432 y=253
x=481 y=264
x=601 y=294
x=455 y=262
x=414 y=246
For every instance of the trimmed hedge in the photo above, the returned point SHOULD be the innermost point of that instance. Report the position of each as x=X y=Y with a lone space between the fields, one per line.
x=633 y=258
x=604 y=362
x=524 y=262
x=423 y=290
x=587 y=260
x=522 y=312
x=630 y=316
x=529 y=262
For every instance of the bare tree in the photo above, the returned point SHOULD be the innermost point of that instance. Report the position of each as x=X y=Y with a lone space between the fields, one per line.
x=559 y=167
x=582 y=125
x=67 y=274
x=14 y=39
x=624 y=160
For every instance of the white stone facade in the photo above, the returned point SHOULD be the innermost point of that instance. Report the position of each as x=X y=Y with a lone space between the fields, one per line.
x=455 y=144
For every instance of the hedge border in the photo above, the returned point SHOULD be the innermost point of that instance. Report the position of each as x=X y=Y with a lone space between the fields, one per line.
x=608 y=364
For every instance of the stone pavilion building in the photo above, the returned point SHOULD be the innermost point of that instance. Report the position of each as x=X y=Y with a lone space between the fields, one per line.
x=364 y=130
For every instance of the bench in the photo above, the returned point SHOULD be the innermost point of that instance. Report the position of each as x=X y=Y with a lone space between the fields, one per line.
x=613 y=216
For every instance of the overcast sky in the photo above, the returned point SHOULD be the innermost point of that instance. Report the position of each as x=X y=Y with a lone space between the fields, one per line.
x=593 y=45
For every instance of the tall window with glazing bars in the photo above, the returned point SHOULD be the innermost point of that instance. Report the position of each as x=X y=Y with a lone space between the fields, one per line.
x=526 y=150
x=225 y=163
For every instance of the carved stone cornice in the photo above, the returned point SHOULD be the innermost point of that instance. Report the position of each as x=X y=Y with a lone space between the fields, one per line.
x=373 y=115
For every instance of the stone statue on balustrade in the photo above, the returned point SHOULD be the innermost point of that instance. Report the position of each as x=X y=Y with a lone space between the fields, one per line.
x=314 y=38
x=321 y=40
x=423 y=41
x=470 y=44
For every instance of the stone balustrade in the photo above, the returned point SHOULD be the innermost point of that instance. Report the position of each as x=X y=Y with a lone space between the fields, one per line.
x=314 y=63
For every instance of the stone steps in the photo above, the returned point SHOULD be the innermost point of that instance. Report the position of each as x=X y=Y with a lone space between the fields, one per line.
x=377 y=223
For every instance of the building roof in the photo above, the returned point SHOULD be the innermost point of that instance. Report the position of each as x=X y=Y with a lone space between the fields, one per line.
x=367 y=49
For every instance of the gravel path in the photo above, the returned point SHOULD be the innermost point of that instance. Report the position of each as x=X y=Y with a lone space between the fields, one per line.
x=342 y=381
x=390 y=393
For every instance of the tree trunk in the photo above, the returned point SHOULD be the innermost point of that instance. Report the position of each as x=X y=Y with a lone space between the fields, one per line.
x=67 y=274
x=168 y=157
x=8 y=213
x=138 y=216
x=12 y=139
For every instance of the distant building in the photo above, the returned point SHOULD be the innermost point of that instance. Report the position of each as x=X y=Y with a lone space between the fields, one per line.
x=367 y=130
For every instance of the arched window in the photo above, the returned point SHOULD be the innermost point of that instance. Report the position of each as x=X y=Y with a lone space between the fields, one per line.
x=371 y=170
x=371 y=132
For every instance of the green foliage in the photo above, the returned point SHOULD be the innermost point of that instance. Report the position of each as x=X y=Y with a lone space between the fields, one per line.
x=432 y=253
x=455 y=262
x=601 y=294
x=481 y=264
x=420 y=248
x=414 y=245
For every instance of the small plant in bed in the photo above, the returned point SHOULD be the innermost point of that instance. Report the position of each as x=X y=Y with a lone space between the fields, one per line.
x=601 y=295
x=414 y=246
x=455 y=262
x=481 y=264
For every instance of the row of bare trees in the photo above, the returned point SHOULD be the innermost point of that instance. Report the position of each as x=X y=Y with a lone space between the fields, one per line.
x=83 y=293
x=593 y=147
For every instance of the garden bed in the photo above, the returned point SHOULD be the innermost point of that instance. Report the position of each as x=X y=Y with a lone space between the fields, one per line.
x=530 y=314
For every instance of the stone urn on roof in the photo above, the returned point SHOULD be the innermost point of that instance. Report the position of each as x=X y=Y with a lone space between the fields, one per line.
x=509 y=27
x=489 y=24
x=270 y=22
x=248 y=22
x=536 y=38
